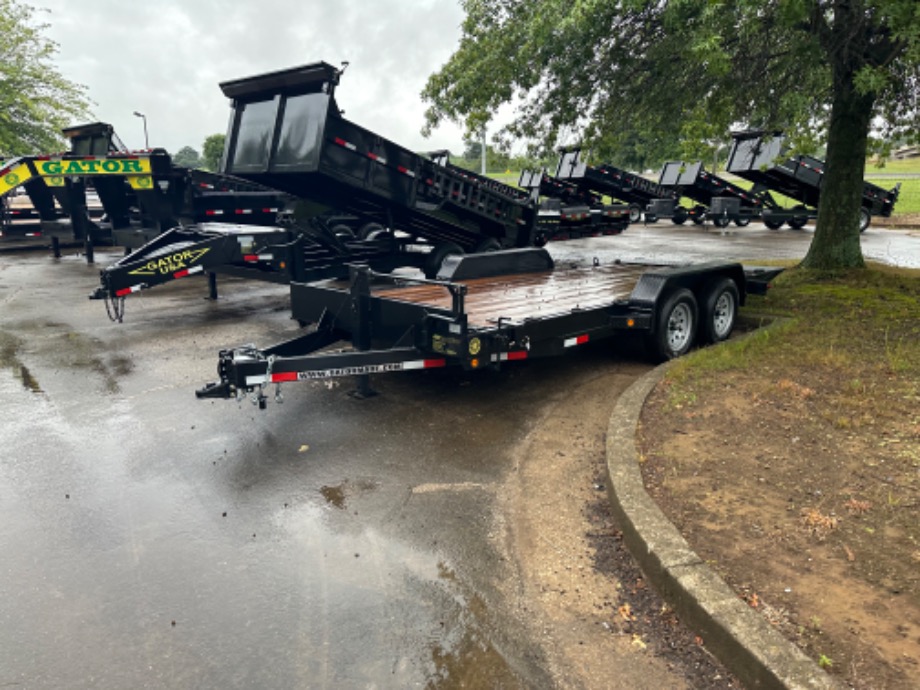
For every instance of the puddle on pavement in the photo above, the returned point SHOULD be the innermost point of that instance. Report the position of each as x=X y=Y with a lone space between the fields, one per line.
x=9 y=358
x=334 y=495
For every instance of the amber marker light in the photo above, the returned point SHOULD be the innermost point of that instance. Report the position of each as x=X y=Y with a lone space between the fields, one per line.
x=474 y=363
x=630 y=323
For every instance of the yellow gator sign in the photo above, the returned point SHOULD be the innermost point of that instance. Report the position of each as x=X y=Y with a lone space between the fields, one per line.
x=53 y=171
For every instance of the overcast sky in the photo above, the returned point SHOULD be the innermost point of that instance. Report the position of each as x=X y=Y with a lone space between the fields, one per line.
x=165 y=59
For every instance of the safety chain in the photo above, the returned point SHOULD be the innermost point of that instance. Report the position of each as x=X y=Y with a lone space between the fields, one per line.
x=115 y=308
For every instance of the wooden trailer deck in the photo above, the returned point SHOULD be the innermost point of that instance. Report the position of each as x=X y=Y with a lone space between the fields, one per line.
x=528 y=295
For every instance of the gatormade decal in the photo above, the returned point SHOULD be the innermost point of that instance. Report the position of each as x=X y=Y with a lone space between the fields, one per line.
x=170 y=263
x=350 y=371
x=13 y=177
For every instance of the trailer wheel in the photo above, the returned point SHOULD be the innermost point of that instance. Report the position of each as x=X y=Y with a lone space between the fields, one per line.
x=720 y=310
x=488 y=245
x=437 y=255
x=721 y=221
x=635 y=213
x=699 y=220
x=343 y=232
x=742 y=221
x=367 y=229
x=651 y=218
x=675 y=327
x=865 y=217
x=798 y=222
x=680 y=215
x=773 y=223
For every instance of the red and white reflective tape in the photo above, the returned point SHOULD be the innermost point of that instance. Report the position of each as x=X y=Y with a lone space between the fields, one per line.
x=213 y=212
x=577 y=340
x=243 y=211
x=357 y=370
x=128 y=290
x=258 y=257
x=509 y=356
x=347 y=144
x=375 y=157
x=269 y=210
x=188 y=271
x=405 y=171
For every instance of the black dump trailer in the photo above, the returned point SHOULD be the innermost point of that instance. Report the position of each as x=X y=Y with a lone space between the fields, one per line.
x=486 y=310
x=717 y=199
x=287 y=133
x=566 y=211
x=760 y=157
x=633 y=189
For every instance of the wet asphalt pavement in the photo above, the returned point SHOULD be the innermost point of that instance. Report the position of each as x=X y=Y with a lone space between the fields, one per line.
x=150 y=539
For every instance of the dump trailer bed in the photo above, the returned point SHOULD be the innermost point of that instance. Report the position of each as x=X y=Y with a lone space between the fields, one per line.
x=566 y=211
x=605 y=179
x=287 y=132
x=759 y=157
x=485 y=310
x=718 y=199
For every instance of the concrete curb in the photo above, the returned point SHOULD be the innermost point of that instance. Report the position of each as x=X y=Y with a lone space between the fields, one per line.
x=736 y=634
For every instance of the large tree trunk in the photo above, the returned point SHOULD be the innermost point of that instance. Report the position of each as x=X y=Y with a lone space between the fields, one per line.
x=836 y=240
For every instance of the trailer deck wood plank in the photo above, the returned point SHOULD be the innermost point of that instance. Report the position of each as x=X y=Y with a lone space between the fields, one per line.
x=529 y=295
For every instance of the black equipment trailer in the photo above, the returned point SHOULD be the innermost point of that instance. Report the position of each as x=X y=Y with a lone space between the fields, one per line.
x=633 y=189
x=759 y=157
x=717 y=199
x=487 y=309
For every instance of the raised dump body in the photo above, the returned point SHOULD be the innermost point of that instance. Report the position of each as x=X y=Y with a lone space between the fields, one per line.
x=718 y=199
x=565 y=211
x=633 y=189
x=760 y=157
x=287 y=132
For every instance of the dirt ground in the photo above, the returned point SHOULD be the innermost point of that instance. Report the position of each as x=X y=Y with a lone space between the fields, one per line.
x=807 y=504
x=602 y=624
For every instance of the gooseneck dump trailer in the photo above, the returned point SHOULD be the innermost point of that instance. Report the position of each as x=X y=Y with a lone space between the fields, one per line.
x=485 y=310
x=760 y=157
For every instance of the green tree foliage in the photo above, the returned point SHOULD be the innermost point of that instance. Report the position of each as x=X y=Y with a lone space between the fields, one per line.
x=212 y=150
x=36 y=102
x=187 y=157
x=632 y=76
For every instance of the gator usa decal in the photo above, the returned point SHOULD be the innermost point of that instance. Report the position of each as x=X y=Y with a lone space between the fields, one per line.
x=171 y=263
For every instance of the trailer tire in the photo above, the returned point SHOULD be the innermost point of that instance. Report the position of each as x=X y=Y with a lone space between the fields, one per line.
x=437 y=255
x=343 y=232
x=675 y=326
x=720 y=304
x=865 y=217
x=798 y=222
x=651 y=218
x=699 y=220
x=721 y=221
x=635 y=213
x=367 y=229
x=489 y=245
x=743 y=221
x=773 y=223
x=680 y=216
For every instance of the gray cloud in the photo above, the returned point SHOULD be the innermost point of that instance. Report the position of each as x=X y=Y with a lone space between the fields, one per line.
x=165 y=59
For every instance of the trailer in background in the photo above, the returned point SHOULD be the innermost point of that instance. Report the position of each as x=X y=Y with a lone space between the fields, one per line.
x=619 y=184
x=717 y=199
x=760 y=157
